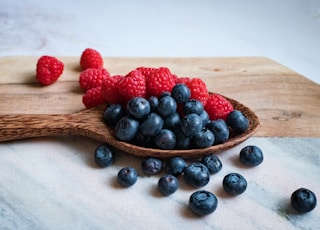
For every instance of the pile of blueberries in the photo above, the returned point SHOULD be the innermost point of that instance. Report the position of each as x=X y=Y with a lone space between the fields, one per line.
x=157 y=122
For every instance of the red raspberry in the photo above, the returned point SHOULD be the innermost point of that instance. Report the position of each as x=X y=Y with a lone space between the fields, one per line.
x=160 y=81
x=182 y=80
x=48 y=70
x=132 y=85
x=146 y=71
x=110 y=91
x=91 y=78
x=198 y=90
x=93 y=97
x=91 y=58
x=218 y=107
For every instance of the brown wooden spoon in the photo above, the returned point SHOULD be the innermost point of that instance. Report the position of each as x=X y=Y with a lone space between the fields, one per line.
x=89 y=123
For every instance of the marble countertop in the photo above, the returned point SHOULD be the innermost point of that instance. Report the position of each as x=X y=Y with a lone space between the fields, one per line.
x=53 y=183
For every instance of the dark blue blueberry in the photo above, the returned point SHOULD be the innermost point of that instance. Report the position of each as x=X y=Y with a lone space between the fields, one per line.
x=151 y=166
x=172 y=121
x=196 y=174
x=168 y=184
x=112 y=114
x=182 y=141
x=303 y=200
x=191 y=124
x=138 y=107
x=141 y=140
x=165 y=93
x=181 y=93
x=193 y=106
x=103 y=155
x=151 y=125
x=165 y=139
x=251 y=155
x=205 y=118
x=203 y=202
x=212 y=162
x=234 y=184
x=220 y=130
x=203 y=139
x=237 y=121
x=127 y=176
x=126 y=128
x=167 y=105
x=154 y=102
x=175 y=166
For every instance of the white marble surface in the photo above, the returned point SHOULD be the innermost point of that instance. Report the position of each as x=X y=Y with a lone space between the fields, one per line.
x=53 y=183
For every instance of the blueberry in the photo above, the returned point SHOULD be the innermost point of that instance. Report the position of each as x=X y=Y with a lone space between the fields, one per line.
x=112 y=114
x=127 y=176
x=251 y=155
x=203 y=139
x=151 y=125
x=165 y=139
x=196 y=174
x=167 y=105
x=126 y=128
x=154 y=102
x=303 y=200
x=181 y=93
x=205 y=118
x=220 y=130
x=193 y=106
x=138 y=107
x=237 y=121
x=182 y=141
x=203 y=202
x=103 y=155
x=141 y=140
x=175 y=166
x=191 y=124
x=168 y=185
x=234 y=184
x=151 y=166
x=212 y=162
x=172 y=121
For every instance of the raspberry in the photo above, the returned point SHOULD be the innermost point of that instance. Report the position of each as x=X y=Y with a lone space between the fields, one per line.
x=146 y=71
x=182 y=80
x=198 y=90
x=91 y=78
x=48 y=70
x=93 y=97
x=218 y=107
x=110 y=91
x=159 y=81
x=132 y=85
x=91 y=58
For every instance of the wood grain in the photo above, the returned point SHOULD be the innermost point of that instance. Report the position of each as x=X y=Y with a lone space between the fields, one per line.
x=286 y=102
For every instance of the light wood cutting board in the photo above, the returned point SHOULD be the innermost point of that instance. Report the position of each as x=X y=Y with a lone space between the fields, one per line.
x=287 y=104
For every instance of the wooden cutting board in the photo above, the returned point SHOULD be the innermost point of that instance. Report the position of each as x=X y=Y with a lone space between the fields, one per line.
x=287 y=104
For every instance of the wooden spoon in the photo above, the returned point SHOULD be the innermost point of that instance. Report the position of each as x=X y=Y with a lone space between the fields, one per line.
x=90 y=123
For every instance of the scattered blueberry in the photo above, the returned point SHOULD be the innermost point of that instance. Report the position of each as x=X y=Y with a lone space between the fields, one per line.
x=191 y=124
x=234 y=184
x=112 y=114
x=175 y=166
x=196 y=174
x=151 y=125
x=203 y=139
x=193 y=106
x=303 y=200
x=251 y=155
x=165 y=139
x=172 y=121
x=220 y=130
x=103 y=155
x=151 y=166
x=181 y=93
x=138 y=107
x=127 y=176
x=237 y=121
x=167 y=105
x=126 y=128
x=168 y=184
x=212 y=162
x=203 y=202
